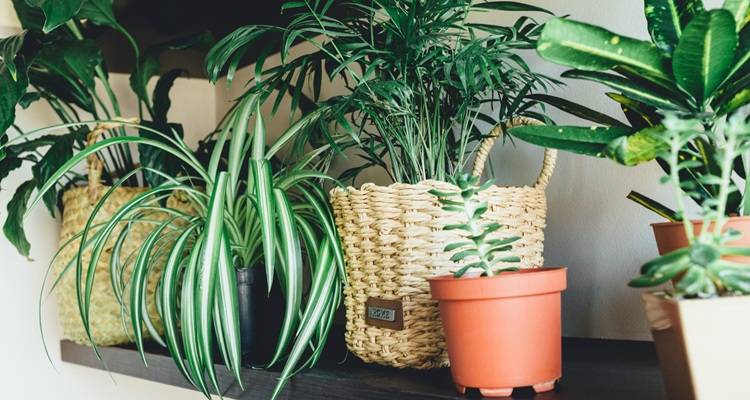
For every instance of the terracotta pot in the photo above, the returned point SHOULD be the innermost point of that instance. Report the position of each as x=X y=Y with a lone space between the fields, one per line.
x=670 y=236
x=701 y=345
x=504 y=331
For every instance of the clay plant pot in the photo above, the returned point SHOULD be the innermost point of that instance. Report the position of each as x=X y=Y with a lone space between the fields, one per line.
x=701 y=345
x=670 y=236
x=503 y=331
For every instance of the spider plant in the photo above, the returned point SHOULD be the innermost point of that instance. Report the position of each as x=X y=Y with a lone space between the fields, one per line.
x=696 y=64
x=56 y=59
x=701 y=269
x=417 y=75
x=246 y=213
x=490 y=255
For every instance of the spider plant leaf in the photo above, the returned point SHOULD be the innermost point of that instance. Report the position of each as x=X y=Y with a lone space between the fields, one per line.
x=705 y=54
x=228 y=311
x=237 y=144
x=168 y=293
x=266 y=209
x=138 y=286
x=316 y=198
x=291 y=252
x=207 y=272
x=591 y=48
x=322 y=288
x=13 y=226
x=188 y=318
x=667 y=18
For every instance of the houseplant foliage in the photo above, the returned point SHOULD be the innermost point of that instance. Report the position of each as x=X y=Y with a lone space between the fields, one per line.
x=487 y=254
x=245 y=214
x=702 y=269
x=696 y=65
x=499 y=300
x=416 y=75
x=55 y=59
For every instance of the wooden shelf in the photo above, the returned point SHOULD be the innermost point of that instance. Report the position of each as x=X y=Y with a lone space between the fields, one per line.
x=593 y=369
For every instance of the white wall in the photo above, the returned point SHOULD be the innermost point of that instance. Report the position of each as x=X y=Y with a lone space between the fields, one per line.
x=592 y=229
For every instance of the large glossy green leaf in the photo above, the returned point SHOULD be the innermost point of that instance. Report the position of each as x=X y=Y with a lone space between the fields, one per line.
x=667 y=18
x=99 y=12
x=640 y=147
x=13 y=227
x=650 y=95
x=591 y=141
x=57 y=154
x=739 y=9
x=591 y=48
x=704 y=56
x=73 y=59
x=56 y=12
x=11 y=90
x=30 y=17
x=577 y=109
x=9 y=48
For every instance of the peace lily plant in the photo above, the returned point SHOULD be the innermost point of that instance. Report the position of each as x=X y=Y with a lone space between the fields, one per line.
x=696 y=64
x=246 y=213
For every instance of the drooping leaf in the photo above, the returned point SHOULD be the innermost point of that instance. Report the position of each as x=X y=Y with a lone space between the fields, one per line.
x=57 y=154
x=31 y=18
x=100 y=12
x=510 y=6
x=13 y=227
x=667 y=18
x=591 y=141
x=9 y=48
x=161 y=94
x=11 y=91
x=73 y=59
x=704 y=56
x=158 y=159
x=576 y=109
x=591 y=48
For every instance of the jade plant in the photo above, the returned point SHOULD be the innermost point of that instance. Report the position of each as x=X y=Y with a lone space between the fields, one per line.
x=276 y=217
x=491 y=256
x=57 y=60
x=702 y=269
x=421 y=78
x=696 y=64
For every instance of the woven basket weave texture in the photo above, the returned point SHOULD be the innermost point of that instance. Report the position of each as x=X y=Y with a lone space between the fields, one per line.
x=393 y=241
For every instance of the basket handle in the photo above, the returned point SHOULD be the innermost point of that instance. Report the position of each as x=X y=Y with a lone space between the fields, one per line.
x=93 y=163
x=550 y=155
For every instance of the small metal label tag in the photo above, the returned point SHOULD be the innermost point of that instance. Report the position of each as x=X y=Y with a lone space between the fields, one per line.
x=387 y=314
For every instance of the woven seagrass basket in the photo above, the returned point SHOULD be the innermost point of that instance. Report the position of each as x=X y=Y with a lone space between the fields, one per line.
x=393 y=241
x=108 y=325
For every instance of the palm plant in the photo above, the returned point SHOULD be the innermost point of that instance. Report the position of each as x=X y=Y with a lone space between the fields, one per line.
x=696 y=65
x=274 y=217
x=55 y=59
x=417 y=75
x=489 y=255
x=701 y=269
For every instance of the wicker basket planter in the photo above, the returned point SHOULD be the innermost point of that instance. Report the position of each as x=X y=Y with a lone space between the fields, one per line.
x=393 y=241
x=108 y=325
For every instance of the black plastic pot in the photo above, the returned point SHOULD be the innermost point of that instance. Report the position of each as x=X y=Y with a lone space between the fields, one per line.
x=247 y=290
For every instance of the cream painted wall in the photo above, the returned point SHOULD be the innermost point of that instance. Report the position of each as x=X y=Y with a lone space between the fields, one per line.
x=592 y=229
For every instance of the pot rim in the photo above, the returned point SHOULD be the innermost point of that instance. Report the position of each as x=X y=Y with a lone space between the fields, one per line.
x=473 y=276
x=661 y=295
x=695 y=221
x=522 y=283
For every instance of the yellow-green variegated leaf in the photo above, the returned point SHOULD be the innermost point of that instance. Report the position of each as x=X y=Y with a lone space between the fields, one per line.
x=705 y=54
x=667 y=18
x=640 y=147
x=591 y=48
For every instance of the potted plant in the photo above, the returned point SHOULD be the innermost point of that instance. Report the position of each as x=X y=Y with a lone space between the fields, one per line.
x=56 y=60
x=246 y=213
x=423 y=85
x=696 y=64
x=502 y=324
x=698 y=326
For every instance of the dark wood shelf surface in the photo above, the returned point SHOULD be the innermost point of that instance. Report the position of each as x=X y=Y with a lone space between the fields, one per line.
x=592 y=369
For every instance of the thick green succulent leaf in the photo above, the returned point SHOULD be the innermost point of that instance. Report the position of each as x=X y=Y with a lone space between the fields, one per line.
x=739 y=9
x=705 y=54
x=13 y=227
x=591 y=48
x=56 y=12
x=667 y=18
x=647 y=94
x=640 y=147
x=591 y=141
